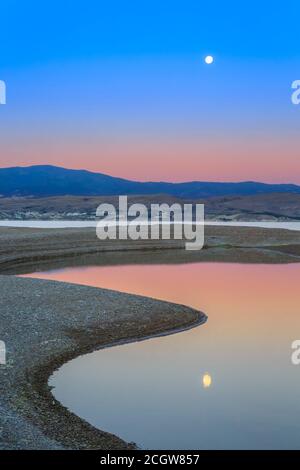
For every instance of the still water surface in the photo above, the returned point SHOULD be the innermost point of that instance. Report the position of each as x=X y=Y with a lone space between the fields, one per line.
x=226 y=384
x=91 y=223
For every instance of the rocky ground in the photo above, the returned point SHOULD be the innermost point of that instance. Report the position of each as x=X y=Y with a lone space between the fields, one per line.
x=46 y=323
x=274 y=206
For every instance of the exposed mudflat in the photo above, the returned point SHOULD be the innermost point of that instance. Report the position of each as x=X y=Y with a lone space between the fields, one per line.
x=26 y=250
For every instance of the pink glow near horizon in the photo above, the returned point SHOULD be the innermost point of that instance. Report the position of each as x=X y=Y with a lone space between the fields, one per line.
x=270 y=161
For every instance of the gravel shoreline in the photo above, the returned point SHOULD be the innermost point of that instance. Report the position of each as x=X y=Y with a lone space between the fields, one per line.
x=46 y=323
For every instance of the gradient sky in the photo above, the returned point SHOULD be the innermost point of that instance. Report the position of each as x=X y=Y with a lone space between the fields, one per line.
x=122 y=88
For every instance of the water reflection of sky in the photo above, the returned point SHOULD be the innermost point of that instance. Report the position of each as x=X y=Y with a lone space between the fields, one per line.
x=226 y=384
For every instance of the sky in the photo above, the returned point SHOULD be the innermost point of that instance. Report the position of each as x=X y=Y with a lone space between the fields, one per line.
x=122 y=88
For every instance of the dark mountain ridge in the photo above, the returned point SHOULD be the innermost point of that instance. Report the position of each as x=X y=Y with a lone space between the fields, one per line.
x=46 y=181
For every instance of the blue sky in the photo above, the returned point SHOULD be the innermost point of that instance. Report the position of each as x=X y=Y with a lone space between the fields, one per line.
x=107 y=76
x=38 y=32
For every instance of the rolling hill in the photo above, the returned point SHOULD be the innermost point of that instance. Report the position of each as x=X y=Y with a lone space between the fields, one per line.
x=46 y=181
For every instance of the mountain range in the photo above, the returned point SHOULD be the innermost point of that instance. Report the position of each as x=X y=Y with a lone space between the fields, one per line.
x=47 y=180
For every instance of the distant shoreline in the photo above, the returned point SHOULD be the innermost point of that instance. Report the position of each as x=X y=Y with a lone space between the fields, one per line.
x=56 y=224
x=273 y=207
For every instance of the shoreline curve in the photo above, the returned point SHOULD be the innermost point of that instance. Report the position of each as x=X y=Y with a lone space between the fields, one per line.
x=49 y=323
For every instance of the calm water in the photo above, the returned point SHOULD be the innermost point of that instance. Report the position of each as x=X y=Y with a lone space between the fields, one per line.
x=91 y=223
x=226 y=384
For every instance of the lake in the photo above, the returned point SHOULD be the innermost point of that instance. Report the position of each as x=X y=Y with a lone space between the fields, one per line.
x=91 y=223
x=227 y=384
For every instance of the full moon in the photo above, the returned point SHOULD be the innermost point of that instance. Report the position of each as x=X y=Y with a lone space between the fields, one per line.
x=206 y=380
x=209 y=59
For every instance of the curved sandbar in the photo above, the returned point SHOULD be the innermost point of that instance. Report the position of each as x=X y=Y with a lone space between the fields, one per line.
x=46 y=323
